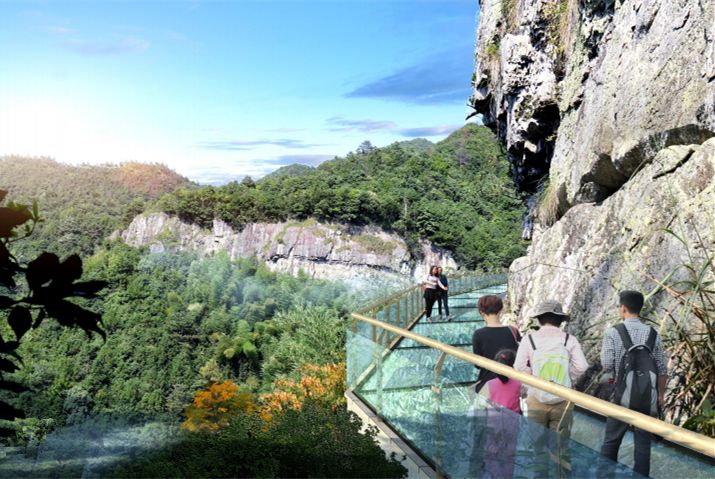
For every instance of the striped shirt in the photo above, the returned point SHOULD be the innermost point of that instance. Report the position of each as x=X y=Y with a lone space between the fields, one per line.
x=613 y=350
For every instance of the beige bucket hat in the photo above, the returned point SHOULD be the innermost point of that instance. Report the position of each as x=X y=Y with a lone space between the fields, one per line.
x=549 y=306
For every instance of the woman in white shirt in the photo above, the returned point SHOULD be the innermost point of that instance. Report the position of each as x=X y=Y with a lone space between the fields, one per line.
x=431 y=286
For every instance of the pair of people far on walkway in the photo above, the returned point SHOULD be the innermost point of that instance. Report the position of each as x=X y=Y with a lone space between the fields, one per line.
x=435 y=291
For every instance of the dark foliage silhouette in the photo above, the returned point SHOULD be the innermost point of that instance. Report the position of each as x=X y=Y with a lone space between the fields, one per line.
x=43 y=288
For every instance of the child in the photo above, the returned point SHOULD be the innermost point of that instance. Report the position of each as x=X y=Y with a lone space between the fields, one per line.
x=502 y=426
x=501 y=389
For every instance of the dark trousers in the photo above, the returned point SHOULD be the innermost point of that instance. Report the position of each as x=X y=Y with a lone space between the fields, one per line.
x=612 y=442
x=443 y=299
x=430 y=299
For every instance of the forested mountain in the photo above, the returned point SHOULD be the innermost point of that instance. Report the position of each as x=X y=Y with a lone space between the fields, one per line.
x=296 y=169
x=82 y=205
x=179 y=326
x=457 y=194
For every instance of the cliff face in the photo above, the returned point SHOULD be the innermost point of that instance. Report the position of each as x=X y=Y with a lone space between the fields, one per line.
x=589 y=90
x=354 y=254
x=606 y=107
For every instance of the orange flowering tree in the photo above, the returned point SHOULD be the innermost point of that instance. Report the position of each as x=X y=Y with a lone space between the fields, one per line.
x=213 y=407
x=323 y=384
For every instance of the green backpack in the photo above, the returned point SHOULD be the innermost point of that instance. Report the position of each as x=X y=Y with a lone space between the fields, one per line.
x=551 y=366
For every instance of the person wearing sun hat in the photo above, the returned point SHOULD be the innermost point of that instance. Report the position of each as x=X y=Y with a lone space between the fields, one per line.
x=556 y=356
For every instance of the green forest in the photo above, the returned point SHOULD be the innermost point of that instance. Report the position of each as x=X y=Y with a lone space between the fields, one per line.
x=456 y=193
x=181 y=328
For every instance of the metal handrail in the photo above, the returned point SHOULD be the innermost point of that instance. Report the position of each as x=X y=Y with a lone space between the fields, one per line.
x=677 y=435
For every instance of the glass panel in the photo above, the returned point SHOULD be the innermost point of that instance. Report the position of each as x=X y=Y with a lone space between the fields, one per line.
x=466 y=435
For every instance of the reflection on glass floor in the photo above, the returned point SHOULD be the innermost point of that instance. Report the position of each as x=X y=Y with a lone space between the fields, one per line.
x=463 y=434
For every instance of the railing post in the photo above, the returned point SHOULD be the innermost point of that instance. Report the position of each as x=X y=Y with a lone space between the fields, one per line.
x=398 y=312
x=378 y=405
x=388 y=320
x=417 y=304
x=437 y=390
x=352 y=354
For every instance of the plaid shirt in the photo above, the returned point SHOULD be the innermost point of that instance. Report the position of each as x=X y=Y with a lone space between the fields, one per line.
x=612 y=351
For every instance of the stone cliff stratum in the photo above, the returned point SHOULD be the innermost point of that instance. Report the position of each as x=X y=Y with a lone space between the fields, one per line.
x=606 y=108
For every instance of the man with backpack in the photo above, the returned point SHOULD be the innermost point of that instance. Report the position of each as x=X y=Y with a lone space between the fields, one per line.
x=633 y=353
x=555 y=356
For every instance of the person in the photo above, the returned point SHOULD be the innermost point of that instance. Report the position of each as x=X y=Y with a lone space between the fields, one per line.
x=443 y=290
x=556 y=356
x=614 y=351
x=501 y=389
x=493 y=337
x=430 y=291
x=501 y=424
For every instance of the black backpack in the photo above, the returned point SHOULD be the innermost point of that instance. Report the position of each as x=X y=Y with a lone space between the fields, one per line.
x=637 y=382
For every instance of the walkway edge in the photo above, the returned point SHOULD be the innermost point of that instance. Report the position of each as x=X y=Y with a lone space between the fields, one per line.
x=390 y=441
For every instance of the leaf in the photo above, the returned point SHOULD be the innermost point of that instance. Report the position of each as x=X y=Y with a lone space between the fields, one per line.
x=7 y=365
x=69 y=314
x=20 y=320
x=70 y=269
x=41 y=270
x=6 y=279
x=6 y=302
x=38 y=320
x=11 y=217
x=8 y=347
x=4 y=256
x=9 y=413
x=12 y=386
x=88 y=289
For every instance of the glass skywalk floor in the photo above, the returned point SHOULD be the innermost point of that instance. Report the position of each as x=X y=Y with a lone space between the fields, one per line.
x=463 y=435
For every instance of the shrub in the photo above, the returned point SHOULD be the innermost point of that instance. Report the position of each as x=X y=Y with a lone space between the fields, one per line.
x=316 y=441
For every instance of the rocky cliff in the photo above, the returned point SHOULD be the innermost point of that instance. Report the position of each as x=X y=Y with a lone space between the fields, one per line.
x=355 y=254
x=606 y=108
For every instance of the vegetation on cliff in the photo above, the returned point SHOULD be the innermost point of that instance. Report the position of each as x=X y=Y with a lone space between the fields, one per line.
x=457 y=194
x=82 y=205
x=172 y=324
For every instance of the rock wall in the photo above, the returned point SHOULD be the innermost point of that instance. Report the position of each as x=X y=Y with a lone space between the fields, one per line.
x=589 y=90
x=598 y=249
x=611 y=104
x=330 y=251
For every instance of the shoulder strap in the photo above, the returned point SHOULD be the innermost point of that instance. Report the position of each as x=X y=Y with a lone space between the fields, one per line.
x=651 y=339
x=625 y=337
x=513 y=333
x=566 y=340
x=532 y=342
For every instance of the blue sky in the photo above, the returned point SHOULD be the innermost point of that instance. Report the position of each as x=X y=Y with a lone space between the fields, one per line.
x=219 y=90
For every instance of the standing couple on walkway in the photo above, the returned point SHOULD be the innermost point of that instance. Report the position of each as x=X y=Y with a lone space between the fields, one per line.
x=436 y=288
x=632 y=353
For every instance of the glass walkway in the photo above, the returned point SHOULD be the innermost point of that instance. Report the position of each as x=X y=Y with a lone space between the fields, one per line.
x=427 y=399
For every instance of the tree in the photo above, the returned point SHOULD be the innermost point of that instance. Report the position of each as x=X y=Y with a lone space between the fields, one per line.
x=45 y=286
x=364 y=148
x=214 y=407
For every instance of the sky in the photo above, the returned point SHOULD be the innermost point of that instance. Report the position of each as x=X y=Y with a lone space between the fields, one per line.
x=221 y=90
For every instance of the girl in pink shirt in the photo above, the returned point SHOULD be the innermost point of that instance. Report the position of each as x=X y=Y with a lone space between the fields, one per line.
x=503 y=390
x=502 y=426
